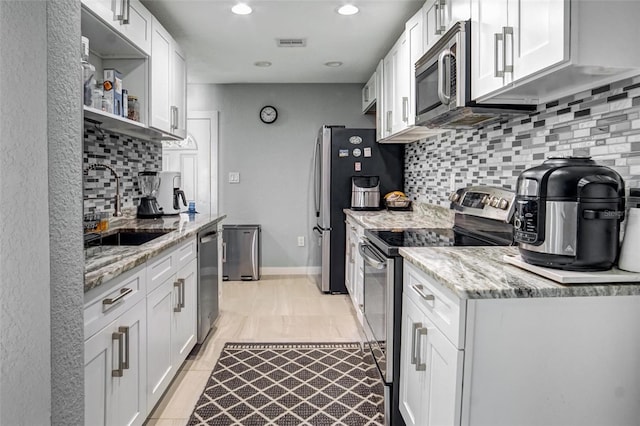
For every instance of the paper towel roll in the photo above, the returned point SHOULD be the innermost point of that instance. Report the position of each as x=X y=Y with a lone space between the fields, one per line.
x=629 y=259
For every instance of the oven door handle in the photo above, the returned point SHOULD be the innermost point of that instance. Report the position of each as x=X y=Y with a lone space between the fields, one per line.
x=375 y=260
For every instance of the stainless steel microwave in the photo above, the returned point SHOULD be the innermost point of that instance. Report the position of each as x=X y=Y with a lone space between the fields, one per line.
x=443 y=86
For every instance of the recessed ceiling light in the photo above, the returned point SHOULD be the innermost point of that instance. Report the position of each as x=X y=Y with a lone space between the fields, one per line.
x=263 y=64
x=241 y=9
x=333 y=64
x=348 y=9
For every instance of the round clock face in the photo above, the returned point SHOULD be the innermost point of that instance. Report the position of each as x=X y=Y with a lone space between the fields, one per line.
x=268 y=114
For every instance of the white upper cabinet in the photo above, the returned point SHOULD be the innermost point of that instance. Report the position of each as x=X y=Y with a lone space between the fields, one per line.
x=369 y=94
x=396 y=86
x=168 y=83
x=380 y=100
x=535 y=51
x=415 y=39
x=440 y=15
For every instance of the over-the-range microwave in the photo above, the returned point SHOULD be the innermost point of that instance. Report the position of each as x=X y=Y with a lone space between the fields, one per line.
x=443 y=86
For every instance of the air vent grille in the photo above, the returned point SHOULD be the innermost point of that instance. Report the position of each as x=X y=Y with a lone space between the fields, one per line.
x=292 y=42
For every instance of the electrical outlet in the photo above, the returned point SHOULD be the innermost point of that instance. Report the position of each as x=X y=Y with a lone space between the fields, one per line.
x=234 y=177
x=301 y=241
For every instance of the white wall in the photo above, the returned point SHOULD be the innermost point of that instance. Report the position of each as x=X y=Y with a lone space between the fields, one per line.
x=41 y=259
x=275 y=160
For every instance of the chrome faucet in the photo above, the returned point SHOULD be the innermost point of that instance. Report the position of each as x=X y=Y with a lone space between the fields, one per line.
x=96 y=166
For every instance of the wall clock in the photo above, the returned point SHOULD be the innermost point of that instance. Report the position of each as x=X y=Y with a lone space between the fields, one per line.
x=268 y=114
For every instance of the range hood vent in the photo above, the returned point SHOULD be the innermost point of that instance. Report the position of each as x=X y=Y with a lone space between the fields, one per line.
x=292 y=42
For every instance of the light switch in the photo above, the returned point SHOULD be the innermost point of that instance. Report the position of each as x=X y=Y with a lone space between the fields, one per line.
x=234 y=177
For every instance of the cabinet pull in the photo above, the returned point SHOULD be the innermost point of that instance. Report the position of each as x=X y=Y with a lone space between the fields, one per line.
x=436 y=30
x=366 y=94
x=420 y=366
x=182 y=291
x=123 y=293
x=178 y=307
x=420 y=290
x=120 y=16
x=405 y=109
x=128 y=14
x=497 y=38
x=118 y=372
x=125 y=332
x=505 y=32
x=414 y=327
x=389 y=121
x=224 y=252
x=440 y=9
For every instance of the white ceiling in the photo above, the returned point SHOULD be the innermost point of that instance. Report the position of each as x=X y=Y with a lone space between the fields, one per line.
x=222 y=47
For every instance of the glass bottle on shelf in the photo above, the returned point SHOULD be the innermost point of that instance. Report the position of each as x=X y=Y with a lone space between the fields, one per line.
x=133 y=108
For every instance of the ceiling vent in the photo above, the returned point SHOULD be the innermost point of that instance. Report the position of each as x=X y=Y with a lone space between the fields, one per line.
x=292 y=42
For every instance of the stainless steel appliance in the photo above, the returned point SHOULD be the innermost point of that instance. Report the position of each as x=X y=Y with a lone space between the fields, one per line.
x=443 y=86
x=170 y=197
x=340 y=154
x=568 y=214
x=482 y=218
x=365 y=193
x=241 y=252
x=208 y=273
x=148 y=206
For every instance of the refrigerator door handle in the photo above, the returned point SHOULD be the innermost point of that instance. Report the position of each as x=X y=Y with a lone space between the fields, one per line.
x=316 y=179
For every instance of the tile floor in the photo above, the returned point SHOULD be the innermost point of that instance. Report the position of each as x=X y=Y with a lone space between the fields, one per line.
x=273 y=309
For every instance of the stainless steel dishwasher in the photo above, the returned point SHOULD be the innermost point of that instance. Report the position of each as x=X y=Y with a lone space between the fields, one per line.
x=207 y=279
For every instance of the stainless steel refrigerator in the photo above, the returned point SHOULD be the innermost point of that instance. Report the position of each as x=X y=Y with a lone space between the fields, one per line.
x=340 y=154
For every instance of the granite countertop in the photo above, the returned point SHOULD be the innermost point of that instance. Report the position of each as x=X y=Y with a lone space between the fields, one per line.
x=481 y=273
x=105 y=263
x=423 y=216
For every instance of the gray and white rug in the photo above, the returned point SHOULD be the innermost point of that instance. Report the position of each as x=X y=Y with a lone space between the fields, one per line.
x=292 y=384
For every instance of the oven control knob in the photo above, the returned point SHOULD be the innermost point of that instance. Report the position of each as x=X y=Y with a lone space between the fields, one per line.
x=454 y=196
x=503 y=204
x=517 y=223
x=494 y=202
x=486 y=199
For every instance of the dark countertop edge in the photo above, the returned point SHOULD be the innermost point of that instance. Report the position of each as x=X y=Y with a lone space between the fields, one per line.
x=554 y=290
x=102 y=275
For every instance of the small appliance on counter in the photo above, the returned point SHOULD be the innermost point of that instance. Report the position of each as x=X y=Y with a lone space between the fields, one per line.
x=148 y=207
x=170 y=195
x=568 y=214
x=629 y=259
x=365 y=193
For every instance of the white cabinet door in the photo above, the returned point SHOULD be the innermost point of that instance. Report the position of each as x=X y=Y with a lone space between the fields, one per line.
x=415 y=39
x=138 y=28
x=184 y=323
x=160 y=305
x=381 y=101
x=488 y=17
x=178 y=91
x=396 y=87
x=369 y=93
x=540 y=35
x=98 y=364
x=348 y=262
x=412 y=394
x=161 y=57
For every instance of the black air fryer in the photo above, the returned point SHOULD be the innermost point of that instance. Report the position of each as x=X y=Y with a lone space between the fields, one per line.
x=568 y=214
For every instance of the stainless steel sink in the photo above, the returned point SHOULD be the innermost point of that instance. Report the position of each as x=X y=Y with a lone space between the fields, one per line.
x=126 y=238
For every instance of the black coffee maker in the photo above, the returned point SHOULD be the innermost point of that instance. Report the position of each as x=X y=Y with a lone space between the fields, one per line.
x=148 y=207
x=568 y=214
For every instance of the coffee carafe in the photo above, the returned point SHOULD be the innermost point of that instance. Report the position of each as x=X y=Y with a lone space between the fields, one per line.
x=170 y=197
x=148 y=207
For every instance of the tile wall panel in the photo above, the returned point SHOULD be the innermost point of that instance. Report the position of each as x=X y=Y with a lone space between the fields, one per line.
x=128 y=156
x=603 y=123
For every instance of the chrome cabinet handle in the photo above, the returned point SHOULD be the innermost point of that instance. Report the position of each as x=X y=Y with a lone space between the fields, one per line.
x=125 y=332
x=174 y=117
x=440 y=9
x=389 y=121
x=182 y=292
x=178 y=307
x=366 y=94
x=209 y=237
x=420 y=290
x=443 y=9
x=118 y=336
x=123 y=293
x=405 y=109
x=443 y=79
x=497 y=38
x=505 y=32
x=128 y=14
x=414 y=357
x=420 y=366
x=120 y=16
x=224 y=251
x=436 y=30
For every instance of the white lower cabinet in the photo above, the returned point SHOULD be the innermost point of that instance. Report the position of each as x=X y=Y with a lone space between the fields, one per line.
x=354 y=267
x=115 y=363
x=138 y=334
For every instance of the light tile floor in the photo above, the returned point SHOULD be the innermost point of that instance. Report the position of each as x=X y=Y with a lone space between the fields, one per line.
x=273 y=309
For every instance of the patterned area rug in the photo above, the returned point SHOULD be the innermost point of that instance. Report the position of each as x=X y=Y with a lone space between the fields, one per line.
x=292 y=384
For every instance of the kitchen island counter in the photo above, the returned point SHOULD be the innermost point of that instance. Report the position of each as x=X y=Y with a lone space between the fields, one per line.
x=105 y=263
x=482 y=273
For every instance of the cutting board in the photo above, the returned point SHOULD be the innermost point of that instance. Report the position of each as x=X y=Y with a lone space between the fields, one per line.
x=611 y=276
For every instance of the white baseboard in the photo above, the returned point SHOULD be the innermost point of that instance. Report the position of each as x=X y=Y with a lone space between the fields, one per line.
x=292 y=270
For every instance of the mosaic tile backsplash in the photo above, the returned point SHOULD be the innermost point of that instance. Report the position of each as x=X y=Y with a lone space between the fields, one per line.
x=128 y=156
x=603 y=123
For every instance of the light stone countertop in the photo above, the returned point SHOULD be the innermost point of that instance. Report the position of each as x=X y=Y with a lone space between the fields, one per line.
x=481 y=273
x=423 y=216
x=105 y=263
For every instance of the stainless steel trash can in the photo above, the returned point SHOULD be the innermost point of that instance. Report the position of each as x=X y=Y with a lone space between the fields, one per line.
x=241 y=252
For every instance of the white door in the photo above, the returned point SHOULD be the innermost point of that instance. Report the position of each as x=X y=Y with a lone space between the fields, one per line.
x=488 y=17
x=196 y=158
x=540 y=34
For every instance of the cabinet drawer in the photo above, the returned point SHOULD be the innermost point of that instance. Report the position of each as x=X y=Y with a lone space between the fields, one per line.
x=105 y=303
x=186 y=252
x=160 y=268
x=438 y=303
